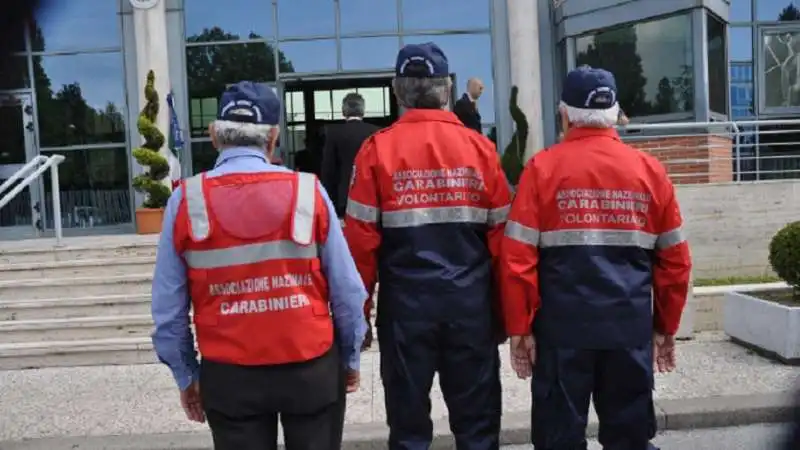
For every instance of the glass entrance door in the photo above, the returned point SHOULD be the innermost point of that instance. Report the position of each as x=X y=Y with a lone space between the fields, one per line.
x=18 y=218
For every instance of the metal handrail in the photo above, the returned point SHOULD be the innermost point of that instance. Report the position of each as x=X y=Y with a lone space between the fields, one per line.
x=32 y=164
x=43 y=163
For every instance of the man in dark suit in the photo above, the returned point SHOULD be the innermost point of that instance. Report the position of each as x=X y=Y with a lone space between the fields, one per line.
x=341 y=146
x=466 y=108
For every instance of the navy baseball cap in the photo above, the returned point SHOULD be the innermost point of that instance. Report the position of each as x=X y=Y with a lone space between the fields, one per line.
x=422 y=61
x=589 y=88
x=250 y=102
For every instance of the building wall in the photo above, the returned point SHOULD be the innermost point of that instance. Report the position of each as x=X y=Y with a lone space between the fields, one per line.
x=730 y=225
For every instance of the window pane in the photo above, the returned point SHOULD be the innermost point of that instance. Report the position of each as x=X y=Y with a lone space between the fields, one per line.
x=80 y=99
x=652 y=62
x=740 y=10
x=14 y=73
x=780 y=10
x=323 y=108
x=205 y=15
x=310 y=56
x=211 y=68
x=446 y=15
x=741 y=71
x=306 y=18
x=469 y=55
x=376 y=101
x=740 y=47
x=56 y=27
x=204 y=155
x=781 y=62
x=717 y=66
x=94 y=188
x=369 y=53
x=295 y=107
x=361 y=16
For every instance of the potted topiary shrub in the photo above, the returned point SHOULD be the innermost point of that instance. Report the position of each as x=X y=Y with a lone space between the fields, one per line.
x=513 y=159
x=152 y=183
x=769 y=320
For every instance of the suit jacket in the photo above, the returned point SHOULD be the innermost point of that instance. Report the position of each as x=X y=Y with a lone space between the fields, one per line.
x=341 y=146
x=467 y=113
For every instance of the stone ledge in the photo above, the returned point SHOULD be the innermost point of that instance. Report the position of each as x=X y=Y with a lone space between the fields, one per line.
x=677 y=414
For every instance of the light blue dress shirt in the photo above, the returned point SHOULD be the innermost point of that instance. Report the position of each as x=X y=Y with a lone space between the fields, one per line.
x=172 y=338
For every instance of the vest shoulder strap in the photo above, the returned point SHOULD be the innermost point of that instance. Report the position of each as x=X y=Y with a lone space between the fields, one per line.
x=197 y=207
x=304 y=208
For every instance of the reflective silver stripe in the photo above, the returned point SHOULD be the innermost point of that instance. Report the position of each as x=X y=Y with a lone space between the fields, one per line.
x=248 y=254
x=670 y=238
x=498 y=215
x=428 y=216
x=196 y=207
x=303 y=220
x=521 y=233
x=615 y=238
x=362 y=212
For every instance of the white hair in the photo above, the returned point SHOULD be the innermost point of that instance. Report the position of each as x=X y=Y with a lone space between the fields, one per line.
x=592 y=118
x=241 y=134
x=423 y=93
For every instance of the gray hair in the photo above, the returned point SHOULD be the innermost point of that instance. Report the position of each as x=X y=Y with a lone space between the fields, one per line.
x=592 y=118
x=423 y=93
x=241 y=134
x=353 y=105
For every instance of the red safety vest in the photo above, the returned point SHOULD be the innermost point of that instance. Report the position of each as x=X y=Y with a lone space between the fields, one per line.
x=251 y=246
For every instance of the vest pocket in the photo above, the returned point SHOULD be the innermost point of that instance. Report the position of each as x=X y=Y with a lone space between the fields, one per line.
x=320 y=309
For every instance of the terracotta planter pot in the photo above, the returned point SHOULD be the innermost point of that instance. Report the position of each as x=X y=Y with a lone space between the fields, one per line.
x=148 y=220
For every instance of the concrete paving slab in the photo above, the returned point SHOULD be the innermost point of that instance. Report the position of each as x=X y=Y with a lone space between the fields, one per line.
x=142 y=401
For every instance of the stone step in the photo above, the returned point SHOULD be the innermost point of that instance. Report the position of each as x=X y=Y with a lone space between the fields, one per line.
x=133 y=284
x=72 y=249
x=75 y=329
x=67 y=308
x=77 y=268
x=90 y=352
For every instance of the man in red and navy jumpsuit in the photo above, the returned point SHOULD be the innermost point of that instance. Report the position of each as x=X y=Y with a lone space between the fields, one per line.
x=257 y=253
x=425 y=214
x=596 y=274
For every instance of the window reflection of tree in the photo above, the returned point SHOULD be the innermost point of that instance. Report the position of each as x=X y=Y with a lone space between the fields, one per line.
x=616 y=50
x=93 y=181
x=214 y=59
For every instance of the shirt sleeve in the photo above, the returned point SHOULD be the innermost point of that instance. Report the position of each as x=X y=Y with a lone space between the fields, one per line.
x=520 y=257
x=172 y=337
x=361 y=220
x=673 y=266
x=347 y=293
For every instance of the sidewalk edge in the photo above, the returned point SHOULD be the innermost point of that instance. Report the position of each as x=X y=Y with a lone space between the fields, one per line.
x=671 y=415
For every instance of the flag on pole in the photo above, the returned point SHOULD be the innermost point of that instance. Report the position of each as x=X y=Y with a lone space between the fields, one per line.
x=175 y=141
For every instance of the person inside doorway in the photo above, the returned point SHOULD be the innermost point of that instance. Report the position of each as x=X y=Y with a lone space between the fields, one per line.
x=466 y=108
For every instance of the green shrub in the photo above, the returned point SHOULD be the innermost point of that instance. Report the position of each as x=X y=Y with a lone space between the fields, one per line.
x=784 y=255
x=151 y=183
x=513 y=159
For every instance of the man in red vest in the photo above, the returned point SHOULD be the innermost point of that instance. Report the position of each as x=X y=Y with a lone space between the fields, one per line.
x=257 y=252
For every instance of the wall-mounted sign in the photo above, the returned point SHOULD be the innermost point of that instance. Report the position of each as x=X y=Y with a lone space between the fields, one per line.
x=143 y=4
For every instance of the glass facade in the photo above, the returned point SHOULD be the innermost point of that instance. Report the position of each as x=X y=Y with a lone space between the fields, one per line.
x=64 y=93
x=323 y=40
x=652 y=60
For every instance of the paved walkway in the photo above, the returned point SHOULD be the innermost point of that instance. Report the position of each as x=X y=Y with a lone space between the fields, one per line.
x=96 y=401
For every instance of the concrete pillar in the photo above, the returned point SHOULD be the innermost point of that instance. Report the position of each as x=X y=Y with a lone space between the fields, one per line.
x=150 y=30
x=523 y=31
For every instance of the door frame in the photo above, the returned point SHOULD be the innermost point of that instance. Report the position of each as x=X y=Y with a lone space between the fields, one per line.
x=24 y=101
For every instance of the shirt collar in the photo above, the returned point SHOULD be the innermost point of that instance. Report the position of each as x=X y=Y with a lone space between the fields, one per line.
x=574 y=134
x=351 y=119
x=239 y=152
x=469 y=97
x=428 y=115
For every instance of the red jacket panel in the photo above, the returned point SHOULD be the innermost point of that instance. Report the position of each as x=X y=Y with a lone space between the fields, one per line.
x=251 y=246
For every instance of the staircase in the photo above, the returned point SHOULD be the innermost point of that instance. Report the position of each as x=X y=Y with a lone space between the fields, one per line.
x=84 y=303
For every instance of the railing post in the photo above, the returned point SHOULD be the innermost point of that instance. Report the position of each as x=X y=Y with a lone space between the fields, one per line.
x=56 y=204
